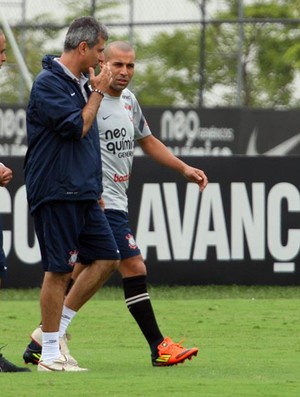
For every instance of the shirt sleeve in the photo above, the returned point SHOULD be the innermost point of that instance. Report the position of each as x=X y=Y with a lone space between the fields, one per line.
x=141 y=128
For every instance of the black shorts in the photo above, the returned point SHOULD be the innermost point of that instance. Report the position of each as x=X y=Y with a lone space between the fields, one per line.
x=71 y=231
x=118 y=221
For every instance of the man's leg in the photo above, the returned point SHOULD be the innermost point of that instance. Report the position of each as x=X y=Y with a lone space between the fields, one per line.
x=84 y=285
x=51 y=301
x=52 y=298
x=32 y=353
x=133 y=271
x=90 y=279
x=96 y=242
x=164 y=352
x=59 y=248
x=87 y=281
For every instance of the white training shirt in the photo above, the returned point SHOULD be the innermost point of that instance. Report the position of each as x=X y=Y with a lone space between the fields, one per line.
x=120 y=122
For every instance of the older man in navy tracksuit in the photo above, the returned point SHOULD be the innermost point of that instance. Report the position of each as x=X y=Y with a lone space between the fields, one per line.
x=63 y=181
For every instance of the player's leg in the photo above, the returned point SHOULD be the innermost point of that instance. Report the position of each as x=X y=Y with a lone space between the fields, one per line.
x=99 y=251
x=56 y=246
x=133 y=271
x=164 y=352
x=32 y=353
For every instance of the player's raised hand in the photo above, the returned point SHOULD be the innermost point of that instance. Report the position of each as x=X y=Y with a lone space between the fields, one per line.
x=103 y=79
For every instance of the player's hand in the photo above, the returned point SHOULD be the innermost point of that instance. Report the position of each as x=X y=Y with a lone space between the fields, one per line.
x=6 y=175
x=103 y=80
x=197 y=176
x=101 y=203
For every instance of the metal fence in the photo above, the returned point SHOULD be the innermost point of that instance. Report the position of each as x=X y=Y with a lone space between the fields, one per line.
x=130 y=17
x=143 y=20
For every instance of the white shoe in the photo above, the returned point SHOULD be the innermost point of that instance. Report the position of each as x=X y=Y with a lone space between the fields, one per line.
x=60 y=364
x=64 y=349
x=37 y=337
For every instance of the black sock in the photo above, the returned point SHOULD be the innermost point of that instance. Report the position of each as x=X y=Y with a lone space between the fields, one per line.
x=138 y=302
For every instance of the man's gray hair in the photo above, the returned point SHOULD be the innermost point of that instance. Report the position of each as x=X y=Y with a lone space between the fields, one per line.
x=84 y=29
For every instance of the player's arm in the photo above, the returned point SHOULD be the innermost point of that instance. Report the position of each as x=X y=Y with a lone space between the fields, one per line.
x=155 y=149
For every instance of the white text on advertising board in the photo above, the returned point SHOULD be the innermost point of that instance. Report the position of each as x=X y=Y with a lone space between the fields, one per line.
x=12 y=132
x=202 y=224
x=184 y=136
x=254 y=220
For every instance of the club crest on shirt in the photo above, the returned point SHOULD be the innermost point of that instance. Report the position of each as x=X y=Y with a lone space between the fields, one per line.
x=73 y=257
x=127 y=106
x=131 y=241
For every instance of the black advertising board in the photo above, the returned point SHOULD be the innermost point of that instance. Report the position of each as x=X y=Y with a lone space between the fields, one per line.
x=192 y=132
x=244 y=229
x=226 y=131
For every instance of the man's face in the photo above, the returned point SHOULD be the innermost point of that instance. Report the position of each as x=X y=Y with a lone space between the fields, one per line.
x=94 y=56
x=2 y=50
x=122 y=68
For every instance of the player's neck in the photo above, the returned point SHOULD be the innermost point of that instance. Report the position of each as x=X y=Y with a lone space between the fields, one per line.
x=114 y=93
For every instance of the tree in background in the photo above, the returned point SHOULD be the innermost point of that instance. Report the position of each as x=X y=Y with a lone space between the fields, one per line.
x=268 y=67
x=105 y=10
x=14 y=89
x=169 y=72
x=167 y=69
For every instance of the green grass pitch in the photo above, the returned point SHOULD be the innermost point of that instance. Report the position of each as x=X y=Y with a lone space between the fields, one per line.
x=249 y=341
